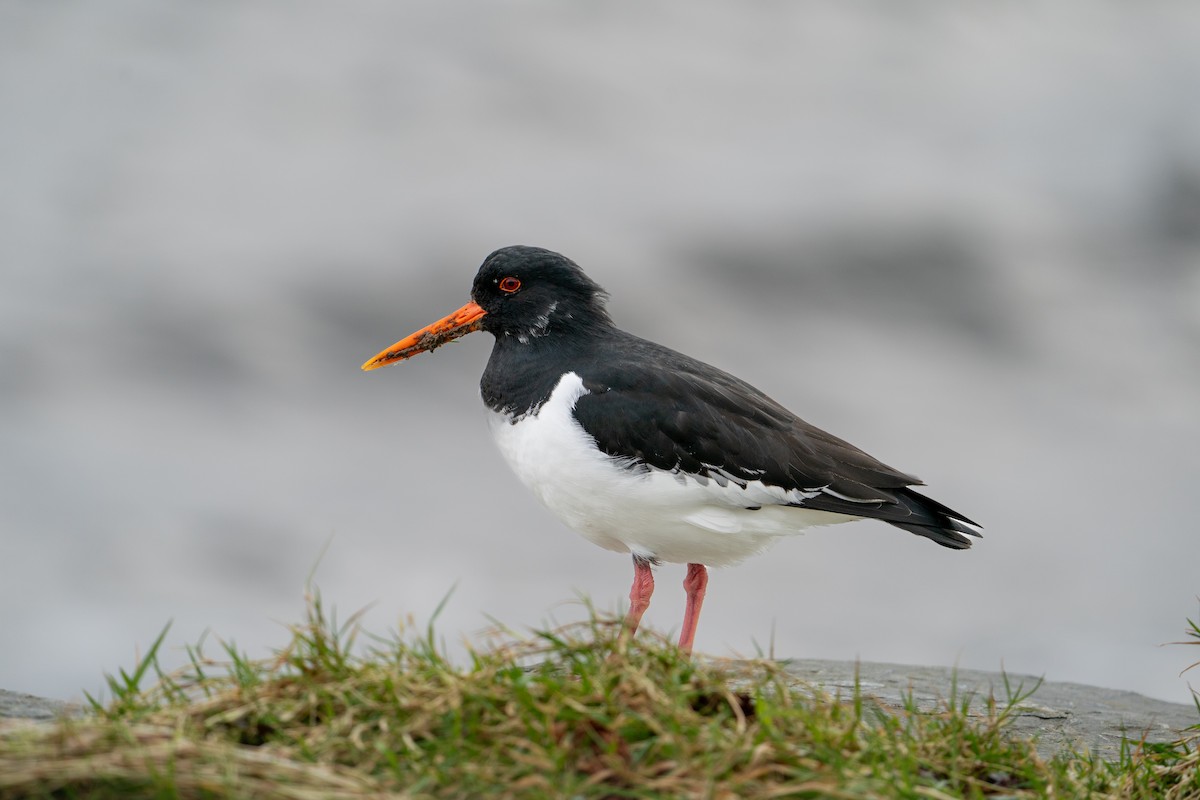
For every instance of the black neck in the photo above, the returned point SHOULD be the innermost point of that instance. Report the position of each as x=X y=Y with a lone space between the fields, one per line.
x=520 y=375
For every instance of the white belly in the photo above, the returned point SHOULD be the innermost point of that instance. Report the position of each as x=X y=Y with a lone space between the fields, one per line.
x=657 y=514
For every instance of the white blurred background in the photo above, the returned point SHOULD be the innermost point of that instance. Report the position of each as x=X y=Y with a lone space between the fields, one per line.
x=963 y=235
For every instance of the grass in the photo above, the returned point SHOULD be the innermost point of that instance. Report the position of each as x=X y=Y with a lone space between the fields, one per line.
x=580 y=712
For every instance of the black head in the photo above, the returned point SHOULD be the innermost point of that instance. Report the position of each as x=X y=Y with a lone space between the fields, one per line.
x=529 y=292
x=521 y=295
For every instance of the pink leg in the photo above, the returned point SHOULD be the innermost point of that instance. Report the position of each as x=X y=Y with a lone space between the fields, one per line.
x=694 y=584
x=639 y=595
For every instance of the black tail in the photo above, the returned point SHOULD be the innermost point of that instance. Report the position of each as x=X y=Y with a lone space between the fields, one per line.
x=904 y=508
x=931 y=519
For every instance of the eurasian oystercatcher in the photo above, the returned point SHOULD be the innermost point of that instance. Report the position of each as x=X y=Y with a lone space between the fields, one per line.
x=646 y=451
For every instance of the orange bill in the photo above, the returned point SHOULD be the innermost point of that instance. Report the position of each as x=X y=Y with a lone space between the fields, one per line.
x=467 y=319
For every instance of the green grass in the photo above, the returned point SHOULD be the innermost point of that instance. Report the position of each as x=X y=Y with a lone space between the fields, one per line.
x=577 y=712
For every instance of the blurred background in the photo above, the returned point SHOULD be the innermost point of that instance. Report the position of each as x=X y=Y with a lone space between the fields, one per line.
x=963 y=235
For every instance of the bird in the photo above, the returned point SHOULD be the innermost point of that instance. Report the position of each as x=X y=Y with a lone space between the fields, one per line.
x=647 y=451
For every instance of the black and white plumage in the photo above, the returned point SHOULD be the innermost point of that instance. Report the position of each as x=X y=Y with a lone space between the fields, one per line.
x=645 y=450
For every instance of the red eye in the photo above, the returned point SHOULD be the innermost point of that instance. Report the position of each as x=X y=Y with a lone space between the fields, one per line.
x=509 y=285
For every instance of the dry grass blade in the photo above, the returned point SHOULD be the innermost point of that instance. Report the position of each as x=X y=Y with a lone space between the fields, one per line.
x=91 y=756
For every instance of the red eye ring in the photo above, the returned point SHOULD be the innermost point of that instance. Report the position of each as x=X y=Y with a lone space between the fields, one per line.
x=509 y=284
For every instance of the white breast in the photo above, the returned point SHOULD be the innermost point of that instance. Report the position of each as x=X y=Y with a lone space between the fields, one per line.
x=658 y=514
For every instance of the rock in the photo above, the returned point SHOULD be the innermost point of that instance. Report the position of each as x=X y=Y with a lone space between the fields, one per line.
x=14 y=705
x=1061 y=716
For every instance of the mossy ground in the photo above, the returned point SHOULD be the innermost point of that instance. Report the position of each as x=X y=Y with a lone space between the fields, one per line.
x=581 y=712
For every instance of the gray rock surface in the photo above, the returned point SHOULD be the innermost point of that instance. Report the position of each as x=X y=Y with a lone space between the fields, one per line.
x=14 y=705
x=1061 y=715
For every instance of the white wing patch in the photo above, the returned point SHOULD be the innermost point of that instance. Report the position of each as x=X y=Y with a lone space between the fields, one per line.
x=847 y=498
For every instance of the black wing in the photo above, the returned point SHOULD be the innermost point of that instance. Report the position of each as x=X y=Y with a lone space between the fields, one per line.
x=684 y=415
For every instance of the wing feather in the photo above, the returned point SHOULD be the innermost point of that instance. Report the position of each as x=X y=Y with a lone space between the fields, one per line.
x=685 y=416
